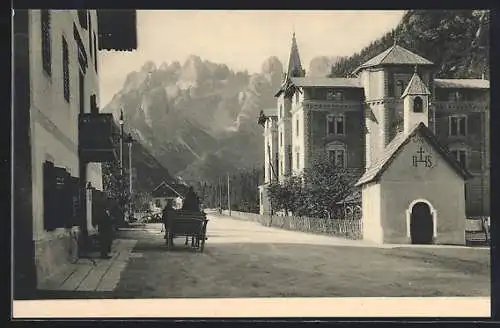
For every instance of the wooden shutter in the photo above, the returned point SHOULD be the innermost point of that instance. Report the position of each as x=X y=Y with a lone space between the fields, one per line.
x=48 y=196
x=57 y=197
x=76 y=201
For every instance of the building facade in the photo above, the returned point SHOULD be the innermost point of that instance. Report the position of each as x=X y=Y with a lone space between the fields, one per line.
x=60 y=137
x=354 y=119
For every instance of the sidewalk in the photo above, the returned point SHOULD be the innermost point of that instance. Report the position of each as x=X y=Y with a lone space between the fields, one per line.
x=94 y=275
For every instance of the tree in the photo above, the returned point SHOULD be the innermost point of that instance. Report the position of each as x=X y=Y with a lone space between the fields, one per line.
x=318 y=192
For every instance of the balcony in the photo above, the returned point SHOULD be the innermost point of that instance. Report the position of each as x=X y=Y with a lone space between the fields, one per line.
x=96 y=138
x=465 y=106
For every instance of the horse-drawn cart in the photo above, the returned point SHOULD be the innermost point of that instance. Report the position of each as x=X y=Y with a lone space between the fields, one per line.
x=187 y=224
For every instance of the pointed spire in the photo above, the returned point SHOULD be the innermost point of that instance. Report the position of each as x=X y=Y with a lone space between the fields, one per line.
x=294 y=64
x=416 y=86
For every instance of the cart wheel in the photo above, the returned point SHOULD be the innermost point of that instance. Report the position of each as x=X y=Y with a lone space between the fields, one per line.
x=202 y=246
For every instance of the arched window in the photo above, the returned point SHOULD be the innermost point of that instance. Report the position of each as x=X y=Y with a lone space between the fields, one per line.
x=400 y=88
x=337 y=153
x=418 y=105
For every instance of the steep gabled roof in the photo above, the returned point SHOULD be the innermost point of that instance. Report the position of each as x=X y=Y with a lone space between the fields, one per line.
x=395 y=55
x=396 y=145
x=416 y=87
x=166 y=190
x=462 y=83
x=294 y=63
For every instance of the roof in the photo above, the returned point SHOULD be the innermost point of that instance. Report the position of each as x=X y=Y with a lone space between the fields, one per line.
x=294 y=64
x=374 y=172
x=395 y=55
x=416 y=87
x=270 y=112
x=462 y=83
x=338 y=82
x=165 y=189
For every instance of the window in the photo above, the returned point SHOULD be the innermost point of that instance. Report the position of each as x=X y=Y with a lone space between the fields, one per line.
x=91 y=48
x=95 y=53
x=297 y=128
x=329 y=94
x=281 y=138
x=457 y=125
x=281 y=167
x=46 y=43
x=93 y=105
x=297 y=98
x=335 y=124
x=290 y=162
x=455 y=96
x=297 y=160
x=335 y=95
x=82 y=18
x=65 y=55
x=400 y=88
x=81 y=90
x=337 y=157
x=418 y=106
x=158 y=203
x=460 y=155
x=281 y=110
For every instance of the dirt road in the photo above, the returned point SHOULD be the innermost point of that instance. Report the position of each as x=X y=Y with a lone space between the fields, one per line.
x=245 y=259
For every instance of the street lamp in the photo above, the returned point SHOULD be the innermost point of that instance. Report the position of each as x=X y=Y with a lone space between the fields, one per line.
x=129 y=140
x=121 y=142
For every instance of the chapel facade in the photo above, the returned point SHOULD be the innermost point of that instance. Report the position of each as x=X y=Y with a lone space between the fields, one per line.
x=357 y=120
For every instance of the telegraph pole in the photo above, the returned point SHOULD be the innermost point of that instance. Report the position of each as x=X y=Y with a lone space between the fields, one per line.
x=220 y=194
x=228 y=196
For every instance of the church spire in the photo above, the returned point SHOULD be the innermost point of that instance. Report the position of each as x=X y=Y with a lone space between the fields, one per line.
x=294 y=64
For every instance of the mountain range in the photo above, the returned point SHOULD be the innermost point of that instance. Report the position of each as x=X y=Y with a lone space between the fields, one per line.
x=198 y=119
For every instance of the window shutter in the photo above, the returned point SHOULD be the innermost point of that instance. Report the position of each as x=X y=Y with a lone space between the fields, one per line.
x=76 y=197
x=64 y=198
x=48 y=196
x=82 y=18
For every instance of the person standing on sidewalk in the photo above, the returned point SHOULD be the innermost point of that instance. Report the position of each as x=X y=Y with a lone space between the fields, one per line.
x=166 y=215
x=105 y=234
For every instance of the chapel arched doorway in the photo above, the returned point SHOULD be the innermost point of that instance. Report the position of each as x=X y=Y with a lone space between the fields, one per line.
x=421 y=224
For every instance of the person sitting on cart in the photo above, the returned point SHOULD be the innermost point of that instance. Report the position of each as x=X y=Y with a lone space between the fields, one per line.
x=167 y=215
x=191 y=201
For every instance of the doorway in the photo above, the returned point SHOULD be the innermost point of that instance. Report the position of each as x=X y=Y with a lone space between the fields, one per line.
x=421 y=224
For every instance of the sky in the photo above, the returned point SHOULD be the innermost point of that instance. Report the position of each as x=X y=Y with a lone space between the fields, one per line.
x=243 y=40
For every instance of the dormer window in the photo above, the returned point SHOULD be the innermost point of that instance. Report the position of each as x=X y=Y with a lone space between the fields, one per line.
x=297 y=98
x=281 y=111
x=418 y=106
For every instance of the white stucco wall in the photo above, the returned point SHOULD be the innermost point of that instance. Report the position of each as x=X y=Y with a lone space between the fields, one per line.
x=372 y=215
x=54 y=126
x=439 y=184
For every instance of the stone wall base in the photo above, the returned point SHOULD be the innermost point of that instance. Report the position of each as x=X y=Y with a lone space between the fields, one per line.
x=54 y=253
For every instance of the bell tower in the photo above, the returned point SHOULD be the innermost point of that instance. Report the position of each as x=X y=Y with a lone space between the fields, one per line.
x=415 y=103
